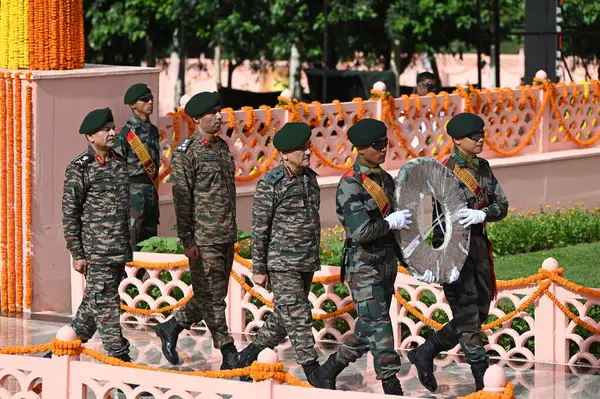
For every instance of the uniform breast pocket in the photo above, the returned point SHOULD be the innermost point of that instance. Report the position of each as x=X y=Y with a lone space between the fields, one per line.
x=293 y=201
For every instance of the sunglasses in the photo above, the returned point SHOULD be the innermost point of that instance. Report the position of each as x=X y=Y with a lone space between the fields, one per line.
x=379 y=145
x=477 y=136
x=146 y=98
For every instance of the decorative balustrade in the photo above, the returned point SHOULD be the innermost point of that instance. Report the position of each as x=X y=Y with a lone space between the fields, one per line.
x=532 y=326
x=519 y=122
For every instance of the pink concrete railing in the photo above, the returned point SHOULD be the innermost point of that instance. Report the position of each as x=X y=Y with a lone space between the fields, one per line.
x=549 y=329
x=519 y=122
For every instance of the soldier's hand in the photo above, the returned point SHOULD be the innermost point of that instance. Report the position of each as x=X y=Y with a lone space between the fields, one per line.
x=192 y=253
x=399 y=220
x=470 y=217
x=80 y=265
x=260 y=279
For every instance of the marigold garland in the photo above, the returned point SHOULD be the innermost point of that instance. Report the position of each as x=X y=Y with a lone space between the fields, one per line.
x=18 y=195
x=41 y=34
x=325 y=161
x=230 y=117
x=3 y=193
x=250 y=121
x=434 y=103
x=566 y=130
x=261 y=171
x=360 y=113
x=340 y=110
x=319 y=117
x=509 y=393
x=158 y=265
x=164 y=309
x=446 y=105
x=527 y=138
x=10 y=177
x=268 y=119
x=28 y=188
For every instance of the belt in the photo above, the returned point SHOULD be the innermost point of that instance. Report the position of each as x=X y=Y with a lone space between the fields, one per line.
x=140 y=179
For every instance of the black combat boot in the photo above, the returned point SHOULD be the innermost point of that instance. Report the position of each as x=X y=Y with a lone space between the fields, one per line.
x=168 y=332
x=310 y=368
x=324 y=376
x=422 y=357
x=391 y=386
x=246 y=357
x=229 y=353
x=478 y=370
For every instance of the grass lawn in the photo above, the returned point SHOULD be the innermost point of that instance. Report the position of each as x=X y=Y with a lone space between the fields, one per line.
x=581 y=263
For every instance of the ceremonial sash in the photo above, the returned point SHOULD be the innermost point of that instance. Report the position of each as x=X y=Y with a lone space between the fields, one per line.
x=377 y=193
x=142 y=153
x=465 y=176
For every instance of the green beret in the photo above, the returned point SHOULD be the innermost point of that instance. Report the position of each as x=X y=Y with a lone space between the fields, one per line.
x=465 y=124
x=201 y=103
x=366 y=132
x=291 y=136
x=135 y=92
x=95 y=120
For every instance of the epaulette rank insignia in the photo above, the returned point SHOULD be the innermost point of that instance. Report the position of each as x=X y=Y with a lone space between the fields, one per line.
x=275 y=175
x=184 y=145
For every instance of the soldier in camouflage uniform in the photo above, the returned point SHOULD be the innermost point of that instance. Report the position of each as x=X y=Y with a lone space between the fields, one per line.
x=286 y=234
x=143 y=176
x=365 y=207
x=470 y=296
x=202 y=173
x=95 y=209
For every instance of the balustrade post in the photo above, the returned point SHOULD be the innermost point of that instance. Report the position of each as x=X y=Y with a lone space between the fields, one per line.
x=543 y=131
x=380 y=86
x=60 y=387
x=545 y=321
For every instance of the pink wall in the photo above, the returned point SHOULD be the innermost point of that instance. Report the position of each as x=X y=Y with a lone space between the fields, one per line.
x=61 y=100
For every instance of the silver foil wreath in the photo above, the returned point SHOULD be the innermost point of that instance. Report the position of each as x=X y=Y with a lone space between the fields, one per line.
x=416 y=179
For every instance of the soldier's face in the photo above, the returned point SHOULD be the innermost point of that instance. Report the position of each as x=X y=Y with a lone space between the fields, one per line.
x=104 y=139
x=471 y=145
x=299 y=158
x=375 y=153
x=144 y=105
x=211 y=121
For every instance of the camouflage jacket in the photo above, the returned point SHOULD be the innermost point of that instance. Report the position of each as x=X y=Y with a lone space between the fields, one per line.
x=372 y=242
x=495 y=204
x=95 y=208
x=148 y=134
x=204 y=192
x=286 y=227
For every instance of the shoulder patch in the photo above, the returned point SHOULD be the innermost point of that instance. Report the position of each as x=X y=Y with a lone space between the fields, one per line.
x=275 y=175
x=83 y=160
x=348 y=173
x=185 y=144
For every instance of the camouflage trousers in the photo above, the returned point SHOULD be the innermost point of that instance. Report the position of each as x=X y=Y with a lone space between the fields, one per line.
x=144 y=199
x=210 y=281
x=372 y=291
x=100 y=308
x=469 y=298
x=292 y=316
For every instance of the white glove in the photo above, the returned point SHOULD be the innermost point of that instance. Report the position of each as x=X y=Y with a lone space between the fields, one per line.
x=399 y=220
x=454 y=275
x=469 y=217
x=426 y=278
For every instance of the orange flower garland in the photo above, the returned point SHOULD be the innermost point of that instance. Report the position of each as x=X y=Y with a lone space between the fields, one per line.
x=230 y=117
x=3 y=197
x=509 y=393
x=28 y=188
x=9 y=261
x=18 y=196
x=340 y=110
x=566 y=130
x=261 y=171
x=250 y=121
x=325 y=161
x=164 y=309
x=268 y=119
x=446 y=105
x=527 y=138
x=360 y=113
